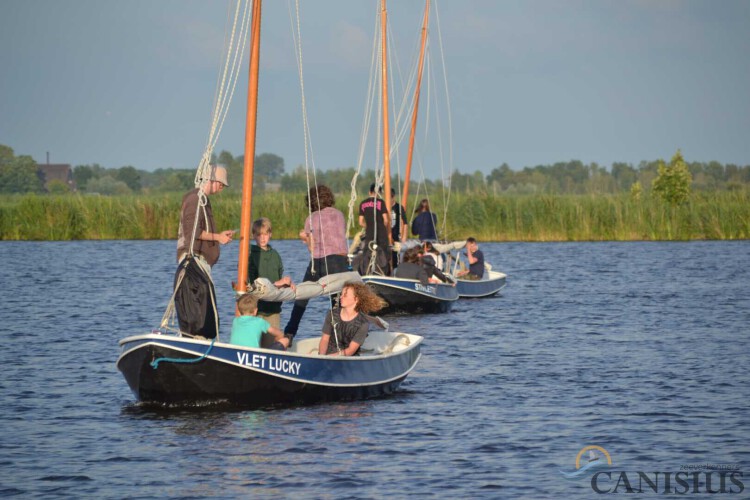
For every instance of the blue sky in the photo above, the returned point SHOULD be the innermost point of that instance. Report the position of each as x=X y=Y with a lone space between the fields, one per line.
x=531 y=81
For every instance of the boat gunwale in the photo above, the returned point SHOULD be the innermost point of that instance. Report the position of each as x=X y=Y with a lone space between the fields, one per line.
x=375 y=280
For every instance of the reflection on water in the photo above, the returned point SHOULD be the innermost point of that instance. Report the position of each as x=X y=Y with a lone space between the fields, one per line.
x=640 y=348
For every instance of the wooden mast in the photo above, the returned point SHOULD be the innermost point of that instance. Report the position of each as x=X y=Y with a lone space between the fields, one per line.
x=405 y=195
x=249 y=164
x=384 y=88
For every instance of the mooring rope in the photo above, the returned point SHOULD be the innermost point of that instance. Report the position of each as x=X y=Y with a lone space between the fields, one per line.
x=155 y=363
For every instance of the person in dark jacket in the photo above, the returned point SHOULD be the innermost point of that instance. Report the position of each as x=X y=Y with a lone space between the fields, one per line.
x=425 y=223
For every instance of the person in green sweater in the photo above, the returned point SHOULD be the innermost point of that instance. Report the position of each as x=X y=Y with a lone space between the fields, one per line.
x=265 y=262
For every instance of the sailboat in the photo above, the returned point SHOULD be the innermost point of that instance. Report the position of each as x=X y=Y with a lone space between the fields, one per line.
x=168 y=367
x=491 y=283
x=402 y=294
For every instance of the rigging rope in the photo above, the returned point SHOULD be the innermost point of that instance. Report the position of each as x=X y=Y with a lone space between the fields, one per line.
x=226 y=84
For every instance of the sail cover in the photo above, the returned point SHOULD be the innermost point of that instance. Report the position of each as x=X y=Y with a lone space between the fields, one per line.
x=264 y=289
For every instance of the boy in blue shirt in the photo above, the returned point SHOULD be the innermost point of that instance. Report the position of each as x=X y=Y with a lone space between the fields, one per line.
x=248 y=329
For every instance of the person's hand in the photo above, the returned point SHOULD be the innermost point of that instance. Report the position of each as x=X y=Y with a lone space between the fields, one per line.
x=290 y=283
x=225 y=237
x=286 y=281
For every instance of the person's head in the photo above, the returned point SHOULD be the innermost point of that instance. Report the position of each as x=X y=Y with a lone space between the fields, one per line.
x=424 y=206
x=262 y=231
x=247 y=304
x=361 y=297
x=412 y=255
x=319 y=197
x=217 y=180
x=393 y=197
x=428 y=248
x=472 y=243
x=373 y=186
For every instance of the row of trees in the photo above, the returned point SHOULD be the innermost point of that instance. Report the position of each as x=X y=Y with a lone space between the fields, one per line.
x=19 y=174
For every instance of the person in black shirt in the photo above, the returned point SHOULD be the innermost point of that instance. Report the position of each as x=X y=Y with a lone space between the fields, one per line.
x=374 y=217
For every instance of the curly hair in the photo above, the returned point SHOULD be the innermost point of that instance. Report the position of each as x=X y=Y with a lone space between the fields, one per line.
x=319 y=197
x=367 y=300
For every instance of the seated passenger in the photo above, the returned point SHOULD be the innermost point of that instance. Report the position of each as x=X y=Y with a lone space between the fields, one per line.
x=432 y=262
x=248 y=328
x=411 y=267
x=476 y=261
x=345 y=327
x=431 y=253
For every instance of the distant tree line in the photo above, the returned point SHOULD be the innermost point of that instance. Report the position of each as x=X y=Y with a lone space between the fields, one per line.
x=18 y=174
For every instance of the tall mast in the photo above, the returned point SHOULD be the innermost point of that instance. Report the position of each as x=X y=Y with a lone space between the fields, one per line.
x=249 y=164
x=384 y=87
x=405 y=195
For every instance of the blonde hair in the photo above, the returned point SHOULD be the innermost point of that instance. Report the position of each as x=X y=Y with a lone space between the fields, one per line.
x=367 y=300
x=262 y=224
x=247 y=304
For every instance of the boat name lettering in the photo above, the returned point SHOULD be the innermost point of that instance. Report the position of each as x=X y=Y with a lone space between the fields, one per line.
x=274 y=364
x=424 y=288
x=256 y=360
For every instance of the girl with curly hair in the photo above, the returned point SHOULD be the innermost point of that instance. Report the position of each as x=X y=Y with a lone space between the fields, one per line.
x=345 y=327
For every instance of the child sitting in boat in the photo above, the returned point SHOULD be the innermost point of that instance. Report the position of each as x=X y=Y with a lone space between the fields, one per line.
x=248 y=329
x=345 y=327
x=476 y=261
x=411 y=267
x=432 y=262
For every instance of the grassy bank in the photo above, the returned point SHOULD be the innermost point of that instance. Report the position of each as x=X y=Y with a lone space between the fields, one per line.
x=717 y=215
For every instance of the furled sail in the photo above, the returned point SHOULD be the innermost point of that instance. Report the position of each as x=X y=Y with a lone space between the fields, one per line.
x=264 y=289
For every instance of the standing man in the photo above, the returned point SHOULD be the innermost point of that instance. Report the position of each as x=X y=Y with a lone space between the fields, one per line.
x=197 y=220
x=197 y=250
x=398 y=226
x=373 y=216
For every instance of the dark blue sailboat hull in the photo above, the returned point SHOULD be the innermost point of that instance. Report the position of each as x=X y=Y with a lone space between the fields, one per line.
x=255 y=377
x=410 y=296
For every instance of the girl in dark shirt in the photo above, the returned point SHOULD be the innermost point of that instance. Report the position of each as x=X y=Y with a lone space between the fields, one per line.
x=345 y=327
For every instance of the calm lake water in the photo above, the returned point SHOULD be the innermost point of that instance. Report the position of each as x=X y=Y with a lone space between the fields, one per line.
x=640 y=348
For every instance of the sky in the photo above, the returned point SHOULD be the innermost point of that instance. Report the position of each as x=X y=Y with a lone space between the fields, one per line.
x=530 y=82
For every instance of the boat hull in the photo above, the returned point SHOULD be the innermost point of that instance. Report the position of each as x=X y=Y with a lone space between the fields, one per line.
x=410 y=296
x=481 y=288
x=256 y=377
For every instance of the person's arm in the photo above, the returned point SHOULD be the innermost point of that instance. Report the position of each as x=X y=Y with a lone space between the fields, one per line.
x=307 y=239
x=349 y=351
x=362 y=220
x=284 y=281
x=188 y=215
x=323 y=345
x=275 y=333
x=223 y=237
x=403 y=230
x=470 y=256
x=387 y=223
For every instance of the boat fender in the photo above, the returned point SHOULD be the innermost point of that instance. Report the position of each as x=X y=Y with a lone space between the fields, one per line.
x=400 y=339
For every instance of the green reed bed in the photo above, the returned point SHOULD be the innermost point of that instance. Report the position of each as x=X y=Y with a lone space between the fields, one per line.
x=716 y=215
